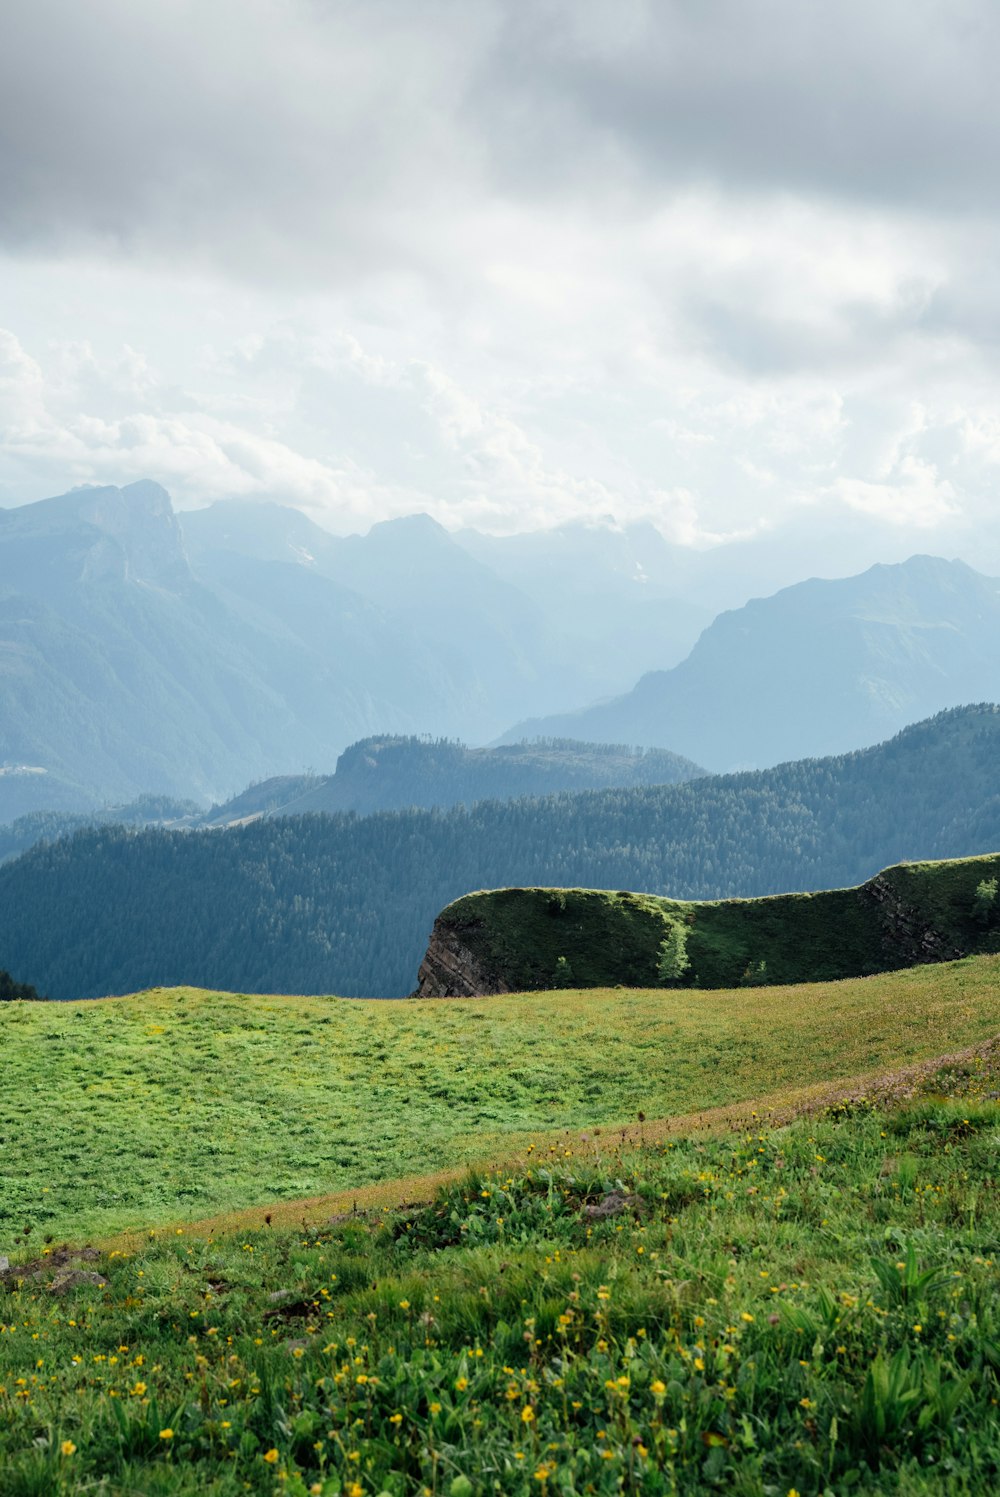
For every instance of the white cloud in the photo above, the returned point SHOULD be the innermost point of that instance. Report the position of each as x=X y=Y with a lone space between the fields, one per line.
x=509 y=264
x=351 y=435
x=22 y=390
x=486 y=469
x=918 y=498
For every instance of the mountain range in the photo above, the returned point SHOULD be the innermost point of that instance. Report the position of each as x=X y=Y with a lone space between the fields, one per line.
x=816 y=669
x=380 y=774
x=145 y=652
x=122 y=671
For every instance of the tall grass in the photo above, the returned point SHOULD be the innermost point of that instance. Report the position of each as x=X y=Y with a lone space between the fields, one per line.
x=786 y=1311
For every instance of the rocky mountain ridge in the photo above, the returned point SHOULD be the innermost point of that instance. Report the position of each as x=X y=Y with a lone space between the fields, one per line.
x=818 y=668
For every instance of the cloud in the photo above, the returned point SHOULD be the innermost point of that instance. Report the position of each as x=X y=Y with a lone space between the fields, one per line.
x=889 y=103
x=290 y=139
x=507 y=263
x=569 y=189
x=917 y=498
x=273 y=138
x=22 y=389
x=54 y=424
x=51 y=431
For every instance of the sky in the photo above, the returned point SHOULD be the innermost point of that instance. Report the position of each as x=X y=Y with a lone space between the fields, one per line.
x=725 y=266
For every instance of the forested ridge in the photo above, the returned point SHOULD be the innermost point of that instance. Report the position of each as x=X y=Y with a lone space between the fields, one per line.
x=383 y=774
x=346 y=903
x=396 y=772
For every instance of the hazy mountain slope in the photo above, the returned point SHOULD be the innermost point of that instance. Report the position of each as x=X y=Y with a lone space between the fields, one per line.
x=119 y=671
x=49 y=825
x=262 y=798
x=336 y=658
x=258 y=529
x=481 y=642
x=621 y=592
x=122 y=671
x=814 y=669
x=27 y=790
x=346 y=903
x=383 y=774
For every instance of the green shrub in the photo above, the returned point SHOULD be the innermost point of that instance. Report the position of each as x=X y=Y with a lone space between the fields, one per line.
x=673 y=960
x=985 y=900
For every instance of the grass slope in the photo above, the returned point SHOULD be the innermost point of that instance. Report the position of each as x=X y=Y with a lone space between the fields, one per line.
x=809 y=1310
x=910 y=913
x=164 y=1106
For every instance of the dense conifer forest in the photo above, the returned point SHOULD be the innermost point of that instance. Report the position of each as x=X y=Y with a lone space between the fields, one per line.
x=11 y=991
x=345 y=903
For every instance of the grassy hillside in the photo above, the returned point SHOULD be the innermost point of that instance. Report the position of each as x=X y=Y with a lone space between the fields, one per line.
x=174 y=1104
x=802 y=1311
x=916 y=912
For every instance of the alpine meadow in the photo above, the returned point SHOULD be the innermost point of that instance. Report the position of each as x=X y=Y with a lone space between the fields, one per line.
x=499 y=744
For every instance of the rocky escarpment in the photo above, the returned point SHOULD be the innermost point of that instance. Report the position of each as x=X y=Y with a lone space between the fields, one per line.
x=527 y=939
x=909 y=939
x=451 y=969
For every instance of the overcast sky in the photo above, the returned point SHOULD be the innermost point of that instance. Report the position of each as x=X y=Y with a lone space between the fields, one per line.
x=728 y=264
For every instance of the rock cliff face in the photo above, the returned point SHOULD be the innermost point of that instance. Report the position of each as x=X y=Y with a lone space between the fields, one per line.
x=908 y=939
x=452 y=970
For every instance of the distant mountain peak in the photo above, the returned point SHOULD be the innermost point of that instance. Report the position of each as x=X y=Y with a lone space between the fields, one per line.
x=814 y=668
x=421 y=524
x=146 y=492
x=92 y=533
x=142 y=537
x=261 y=528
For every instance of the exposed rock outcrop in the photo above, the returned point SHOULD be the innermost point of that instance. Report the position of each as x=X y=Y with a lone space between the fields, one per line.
x=57 y=1270
x=615 y=1203
x=908 y=939
x=452 y=970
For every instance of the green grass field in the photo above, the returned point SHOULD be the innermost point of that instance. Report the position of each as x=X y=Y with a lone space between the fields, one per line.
x=174 y=1105
x=805 y=1312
